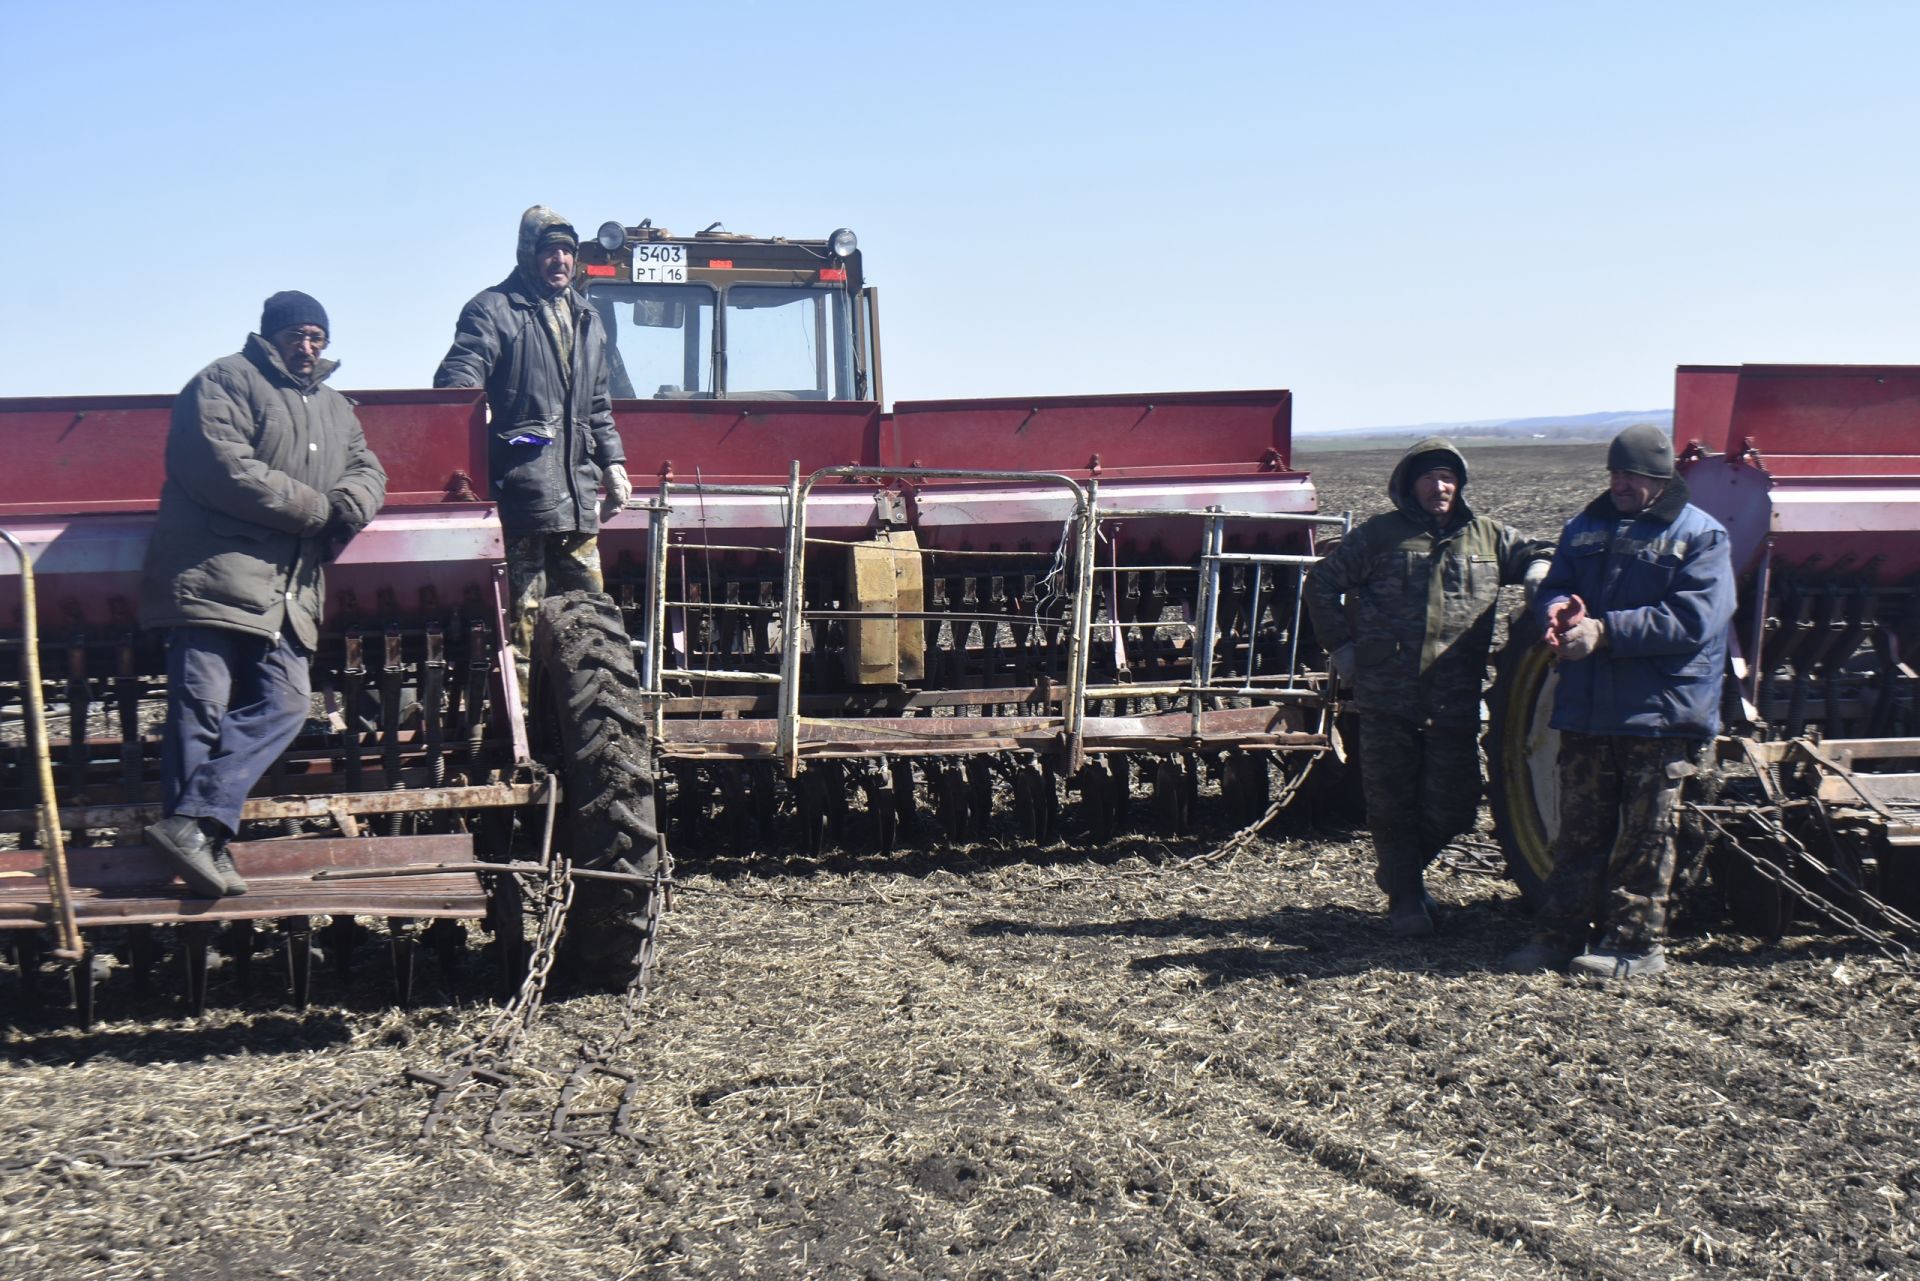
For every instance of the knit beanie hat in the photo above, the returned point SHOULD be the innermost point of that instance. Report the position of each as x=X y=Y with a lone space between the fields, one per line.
x=1644 y=450
x=556 y=233
x=290 y=308
x=1423 y=463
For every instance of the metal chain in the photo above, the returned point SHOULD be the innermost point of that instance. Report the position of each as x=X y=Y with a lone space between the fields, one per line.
x=518 y=1129
x=508 y=1026
x=486 y=1060
x=1885 y=943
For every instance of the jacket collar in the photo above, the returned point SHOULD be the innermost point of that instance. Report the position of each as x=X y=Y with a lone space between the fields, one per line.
x=1665 y=510
x=521 y=292
x=266 y=358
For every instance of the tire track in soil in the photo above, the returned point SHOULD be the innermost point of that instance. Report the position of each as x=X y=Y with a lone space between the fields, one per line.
x=1384 y=1183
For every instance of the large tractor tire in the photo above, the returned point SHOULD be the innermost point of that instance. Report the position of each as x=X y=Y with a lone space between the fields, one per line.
x=588 y=723
x=1523 y=785
x=1523 y=790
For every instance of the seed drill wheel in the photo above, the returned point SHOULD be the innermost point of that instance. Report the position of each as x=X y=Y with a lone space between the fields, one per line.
x=1523 y=790
x=588 y=723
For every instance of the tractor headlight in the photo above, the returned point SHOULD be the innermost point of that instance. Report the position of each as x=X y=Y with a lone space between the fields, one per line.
x=842 y=243
x=612 y=236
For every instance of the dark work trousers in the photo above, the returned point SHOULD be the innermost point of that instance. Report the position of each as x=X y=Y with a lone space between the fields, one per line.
x=234 y=702
x=1423 y=789
x=1614 y=856
x=539 y=566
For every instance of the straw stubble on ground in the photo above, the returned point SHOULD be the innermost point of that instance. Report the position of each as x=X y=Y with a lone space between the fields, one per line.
x=1007 y=1062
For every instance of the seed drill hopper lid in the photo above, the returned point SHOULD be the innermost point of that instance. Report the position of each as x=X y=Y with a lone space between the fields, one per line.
x=1822 y=461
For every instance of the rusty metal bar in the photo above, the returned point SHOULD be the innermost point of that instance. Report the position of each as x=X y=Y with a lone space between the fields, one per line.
x=72 y=948
x=1161 y=513
x=1080 y=638
x=731 y=547
x=318 y=805
x=793 y=587
x=657 y=531
x=509 y=680
x=1763 y=584
x=719 y=674
x=421 y=869
x=1263 y=558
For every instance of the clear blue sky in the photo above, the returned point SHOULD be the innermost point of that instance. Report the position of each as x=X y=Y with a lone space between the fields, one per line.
x=1403 y=212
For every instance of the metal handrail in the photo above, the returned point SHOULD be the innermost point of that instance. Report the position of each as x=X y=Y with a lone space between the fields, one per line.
x=1079 y=624
x=1074 y=708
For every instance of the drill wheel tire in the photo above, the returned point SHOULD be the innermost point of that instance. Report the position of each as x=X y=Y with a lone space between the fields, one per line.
x=588 y=723
x=1522 y=750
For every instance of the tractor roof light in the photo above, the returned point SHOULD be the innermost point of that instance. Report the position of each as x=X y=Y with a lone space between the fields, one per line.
x=843 y=243
x=612 y=237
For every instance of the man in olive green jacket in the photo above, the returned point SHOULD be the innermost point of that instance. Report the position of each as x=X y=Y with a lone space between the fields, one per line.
x=267 y=475
x=1405 y=608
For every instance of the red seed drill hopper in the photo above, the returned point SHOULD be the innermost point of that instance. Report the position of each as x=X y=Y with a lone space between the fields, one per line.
x=992 y=603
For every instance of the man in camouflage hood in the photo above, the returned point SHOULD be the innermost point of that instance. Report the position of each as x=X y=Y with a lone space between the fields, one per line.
x=1404 y=607
x=541 y=354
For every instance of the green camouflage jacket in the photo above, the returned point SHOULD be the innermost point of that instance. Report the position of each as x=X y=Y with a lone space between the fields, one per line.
x=1416 y=602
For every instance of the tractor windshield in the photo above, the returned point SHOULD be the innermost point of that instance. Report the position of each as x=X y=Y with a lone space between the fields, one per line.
x=780 y=342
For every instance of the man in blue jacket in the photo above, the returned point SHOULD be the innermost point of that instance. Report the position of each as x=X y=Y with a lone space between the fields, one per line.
x=1636 y=608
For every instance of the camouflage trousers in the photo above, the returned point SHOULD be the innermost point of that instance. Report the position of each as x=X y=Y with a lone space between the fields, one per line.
x=1613 y=858
x=1423 y=789
x=539 y=566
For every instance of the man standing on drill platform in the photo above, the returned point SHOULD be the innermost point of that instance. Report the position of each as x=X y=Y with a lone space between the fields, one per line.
x=1405 y=608
x=1636 y=608
x=541 y=354
x=268 y=474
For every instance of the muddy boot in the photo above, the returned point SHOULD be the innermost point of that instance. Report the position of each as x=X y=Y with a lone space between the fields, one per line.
x=230 y=877
x=1612 y=963
x=1537 y=957
x=1411 y=916
x=189 y=846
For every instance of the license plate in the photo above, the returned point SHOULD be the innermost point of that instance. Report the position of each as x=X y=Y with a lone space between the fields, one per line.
x=660 y=264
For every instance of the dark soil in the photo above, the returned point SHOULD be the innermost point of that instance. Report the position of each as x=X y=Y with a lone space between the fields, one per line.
x=1001 y=1061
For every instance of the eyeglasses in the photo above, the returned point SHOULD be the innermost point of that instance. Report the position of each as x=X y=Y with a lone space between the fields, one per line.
x=295 y=337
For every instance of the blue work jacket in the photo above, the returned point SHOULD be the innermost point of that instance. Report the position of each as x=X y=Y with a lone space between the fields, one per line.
x=1663 y=583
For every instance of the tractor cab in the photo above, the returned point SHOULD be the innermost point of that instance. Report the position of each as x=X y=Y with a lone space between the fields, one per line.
x=720 y=316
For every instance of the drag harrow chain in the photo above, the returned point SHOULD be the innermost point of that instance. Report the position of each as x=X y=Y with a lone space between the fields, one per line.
x=1882 y=941
x=485 y=1062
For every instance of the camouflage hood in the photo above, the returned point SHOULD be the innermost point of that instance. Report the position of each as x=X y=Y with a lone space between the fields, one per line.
x=532 y=223
x=1408 y=469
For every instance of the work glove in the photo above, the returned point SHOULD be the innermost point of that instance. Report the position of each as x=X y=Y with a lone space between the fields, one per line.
x=1583 y=638
x=343 y=522
x=1535 y=575
x=619 y=490
x=1342 y=663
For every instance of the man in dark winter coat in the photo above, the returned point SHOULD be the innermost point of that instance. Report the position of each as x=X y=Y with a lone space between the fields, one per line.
x=1404 y=606
x=267 y=474
x=541 y=354
x=1636 y=608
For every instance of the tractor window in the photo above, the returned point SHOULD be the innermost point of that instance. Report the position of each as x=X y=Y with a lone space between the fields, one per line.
x=789 y=342
x=659 y=339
